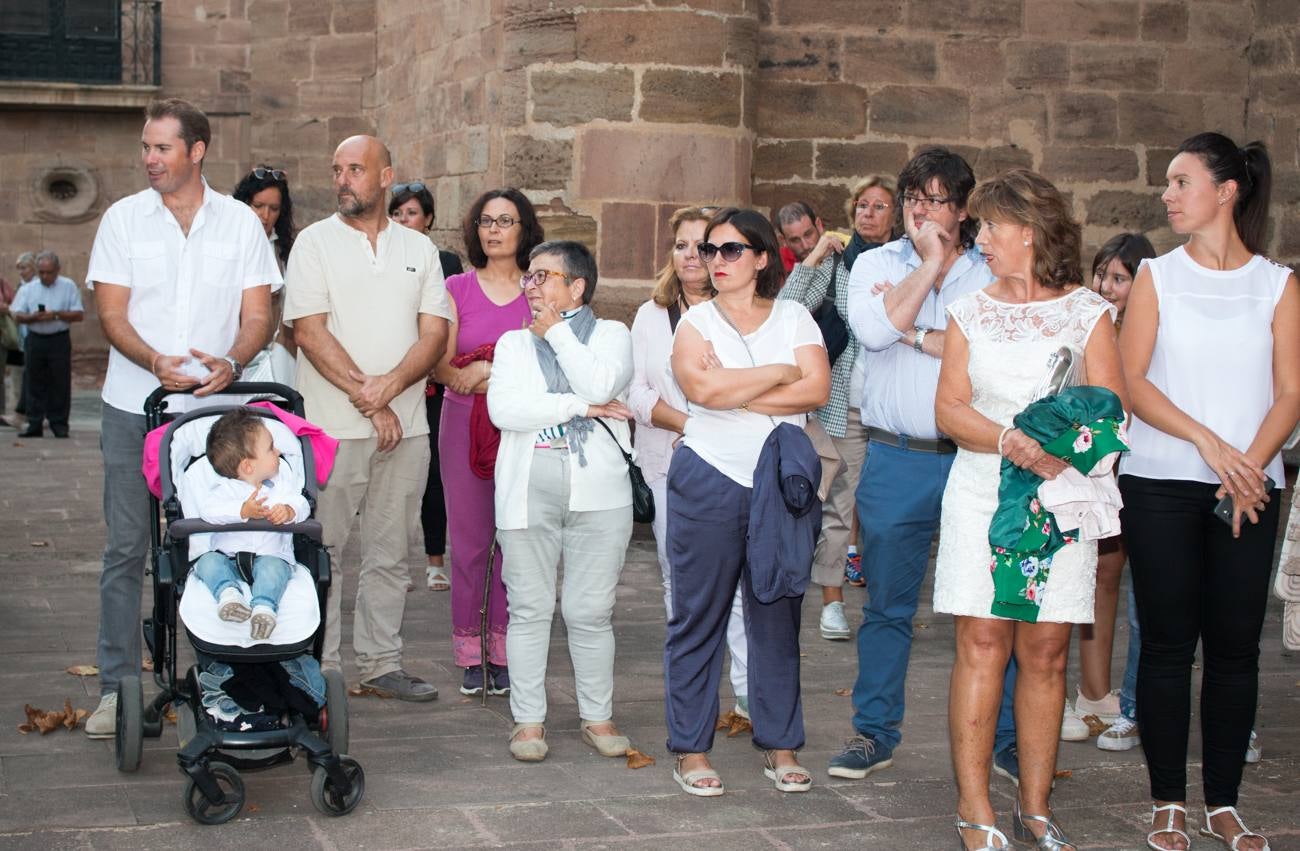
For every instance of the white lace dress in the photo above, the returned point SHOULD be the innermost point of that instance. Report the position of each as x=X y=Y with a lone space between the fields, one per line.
x=1010 y=345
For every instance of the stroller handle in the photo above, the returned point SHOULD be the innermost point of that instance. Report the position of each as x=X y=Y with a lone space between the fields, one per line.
x=156 y=403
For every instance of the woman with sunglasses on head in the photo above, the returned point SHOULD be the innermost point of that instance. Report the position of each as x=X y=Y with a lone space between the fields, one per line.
x=660 y=408
x=412 y=206
x=745 y=362
x=1211 y=347
x=500 y=230
x=266 y=190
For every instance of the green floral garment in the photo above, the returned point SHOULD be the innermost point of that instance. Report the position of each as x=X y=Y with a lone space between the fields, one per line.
x=1080 y=425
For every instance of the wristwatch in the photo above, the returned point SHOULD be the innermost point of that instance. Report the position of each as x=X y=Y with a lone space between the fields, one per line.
x=236 y=368
x=919 y=339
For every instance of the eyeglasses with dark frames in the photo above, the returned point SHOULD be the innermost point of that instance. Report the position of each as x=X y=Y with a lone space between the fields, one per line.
x=730 y=251
x=414 y=187
x=930 y=203
x=539 y=277
x=263 y=172
x=505 y=222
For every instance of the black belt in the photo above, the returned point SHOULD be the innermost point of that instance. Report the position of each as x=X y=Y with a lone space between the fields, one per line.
x=938 y=446
x=51 y=334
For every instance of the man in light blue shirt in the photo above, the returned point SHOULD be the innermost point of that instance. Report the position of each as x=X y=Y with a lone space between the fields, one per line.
x=898 y=297
x=46 y=310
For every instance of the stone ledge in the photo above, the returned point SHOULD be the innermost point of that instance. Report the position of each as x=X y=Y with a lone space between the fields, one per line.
x=40 y=93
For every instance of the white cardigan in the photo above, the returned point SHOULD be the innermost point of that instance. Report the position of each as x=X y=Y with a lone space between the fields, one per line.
x=521 y=406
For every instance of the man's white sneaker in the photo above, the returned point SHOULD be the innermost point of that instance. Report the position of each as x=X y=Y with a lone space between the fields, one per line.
x=1106 y=709
x=1254 y=751
x=102 y=723
x=834 y=626
x=1121 y=736
x=1073 y=728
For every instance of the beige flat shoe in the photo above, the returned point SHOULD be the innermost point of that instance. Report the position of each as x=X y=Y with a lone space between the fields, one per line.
x=528 y=750
x=616 y=745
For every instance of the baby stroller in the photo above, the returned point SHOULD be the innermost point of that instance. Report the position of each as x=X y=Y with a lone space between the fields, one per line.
x=211 y=755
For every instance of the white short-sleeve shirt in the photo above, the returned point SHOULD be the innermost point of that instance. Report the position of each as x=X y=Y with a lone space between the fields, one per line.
x=732 y=440
x=186 y=291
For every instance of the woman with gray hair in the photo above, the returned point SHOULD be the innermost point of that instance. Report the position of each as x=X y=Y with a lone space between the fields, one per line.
x=562 y=491
x=26 y=266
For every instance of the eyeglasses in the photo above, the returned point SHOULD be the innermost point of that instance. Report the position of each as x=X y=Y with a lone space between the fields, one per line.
x=415 y=187
x=930 y=203
x=538 y=278
x=730 y=251
x=878 y=206
x=504 y=222
x=263 y=172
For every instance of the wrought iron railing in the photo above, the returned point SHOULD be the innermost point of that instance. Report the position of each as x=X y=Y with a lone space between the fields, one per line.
x=97 y=42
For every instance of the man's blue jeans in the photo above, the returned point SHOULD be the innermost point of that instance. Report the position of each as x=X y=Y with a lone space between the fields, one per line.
x=270 y=577
x=1128 y=691
x=899 y=496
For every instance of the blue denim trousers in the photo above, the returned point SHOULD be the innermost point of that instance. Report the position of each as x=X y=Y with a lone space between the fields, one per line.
x=899 y=496
x=270 y=577
x=1128 y=690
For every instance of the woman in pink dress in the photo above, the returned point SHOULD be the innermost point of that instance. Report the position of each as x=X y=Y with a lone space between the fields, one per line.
x=500 y=230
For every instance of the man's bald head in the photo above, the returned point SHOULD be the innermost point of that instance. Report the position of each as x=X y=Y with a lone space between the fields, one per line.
x=363 y=171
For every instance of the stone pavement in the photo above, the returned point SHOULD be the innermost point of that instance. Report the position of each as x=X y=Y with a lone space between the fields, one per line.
x=439 y=776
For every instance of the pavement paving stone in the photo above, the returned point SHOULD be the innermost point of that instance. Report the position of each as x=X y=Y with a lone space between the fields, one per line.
x=439 y=775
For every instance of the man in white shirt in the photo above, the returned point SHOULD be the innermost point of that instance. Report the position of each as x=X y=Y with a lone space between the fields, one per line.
x=369 y=311
x=182 y=277
x=47 y=310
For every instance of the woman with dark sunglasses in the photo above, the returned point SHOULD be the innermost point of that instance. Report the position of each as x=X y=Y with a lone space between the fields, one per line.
x=500 y=230
x=412 y=207
x=745 y=362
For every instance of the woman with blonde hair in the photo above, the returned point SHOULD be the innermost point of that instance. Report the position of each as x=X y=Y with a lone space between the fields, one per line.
x=660 y=408
x=870 y=208
x=995 y=355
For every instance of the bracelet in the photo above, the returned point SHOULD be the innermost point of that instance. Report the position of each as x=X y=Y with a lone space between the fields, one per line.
x=919 y=338
x=153 y=364
x=1001 y=436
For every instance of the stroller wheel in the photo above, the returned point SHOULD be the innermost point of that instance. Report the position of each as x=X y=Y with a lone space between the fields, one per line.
x=128 y=734
x=327 y=797
x=335 y=713
x=204 y=811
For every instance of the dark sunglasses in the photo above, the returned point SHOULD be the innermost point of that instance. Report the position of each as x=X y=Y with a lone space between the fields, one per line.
x=730 y=251
x=262 y=173
x=415 y=187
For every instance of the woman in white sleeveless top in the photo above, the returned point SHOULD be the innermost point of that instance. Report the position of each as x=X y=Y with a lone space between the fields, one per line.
x=1211 y=348
x=995 y=355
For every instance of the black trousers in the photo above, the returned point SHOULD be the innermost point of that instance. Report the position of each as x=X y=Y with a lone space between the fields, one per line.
x=433 y=508
x=48 y=376
x=1194 y=581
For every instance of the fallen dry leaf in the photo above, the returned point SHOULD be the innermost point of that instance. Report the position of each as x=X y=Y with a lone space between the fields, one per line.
x=46 y=721
x=83 y=670
x=844 y=692
x=734 y=723
x=252 y=808
x=921 y=626
x=364 y=691
x=1063 y=773
x=1096 y=726
x=636 y=759
x=40 y=543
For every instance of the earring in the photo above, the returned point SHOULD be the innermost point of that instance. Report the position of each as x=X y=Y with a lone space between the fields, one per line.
x=1026 y=243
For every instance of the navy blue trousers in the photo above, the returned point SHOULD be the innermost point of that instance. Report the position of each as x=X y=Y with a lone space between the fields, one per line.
x=708 y=522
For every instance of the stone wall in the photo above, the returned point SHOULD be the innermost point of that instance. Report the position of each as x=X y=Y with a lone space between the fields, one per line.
x=1274 y=114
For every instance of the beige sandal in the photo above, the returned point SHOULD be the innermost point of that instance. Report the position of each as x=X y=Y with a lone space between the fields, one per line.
x=688 y=780
x=778 y=775
x=606 y=744
x=528 y=750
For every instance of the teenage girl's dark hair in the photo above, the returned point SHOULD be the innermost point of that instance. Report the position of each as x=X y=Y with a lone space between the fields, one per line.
x=285 y=233
x=531 y=233
x=1130 y=249
x=758 y=232
x=1249 y=166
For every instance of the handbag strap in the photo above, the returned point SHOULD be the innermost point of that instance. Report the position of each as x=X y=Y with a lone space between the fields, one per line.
x=674 y=315
x=626 y=456
x=835 y=268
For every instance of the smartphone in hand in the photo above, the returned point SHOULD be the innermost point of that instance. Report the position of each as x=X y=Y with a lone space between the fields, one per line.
x=1223 y=510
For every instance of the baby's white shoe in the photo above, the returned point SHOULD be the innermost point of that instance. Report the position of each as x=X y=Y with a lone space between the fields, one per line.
x=230 y=606
x=262 y=624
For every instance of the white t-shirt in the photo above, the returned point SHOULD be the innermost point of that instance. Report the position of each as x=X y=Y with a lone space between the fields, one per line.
x=186 y=291
x=372 y=300
x=1213 y=358
x=732 y=440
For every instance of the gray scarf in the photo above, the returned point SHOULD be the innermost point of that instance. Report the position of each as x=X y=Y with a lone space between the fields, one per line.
x=576 y=430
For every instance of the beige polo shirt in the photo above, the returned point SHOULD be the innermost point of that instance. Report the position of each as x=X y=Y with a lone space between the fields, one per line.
x=372 y=300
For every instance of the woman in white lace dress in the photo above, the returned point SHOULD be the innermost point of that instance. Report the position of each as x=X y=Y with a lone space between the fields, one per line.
x=995 y=356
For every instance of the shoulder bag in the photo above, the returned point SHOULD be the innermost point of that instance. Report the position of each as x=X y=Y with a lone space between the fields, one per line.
x=835 y=331
x=643 y=499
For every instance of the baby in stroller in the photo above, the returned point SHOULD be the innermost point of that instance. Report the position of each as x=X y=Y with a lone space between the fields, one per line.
x=243 y=453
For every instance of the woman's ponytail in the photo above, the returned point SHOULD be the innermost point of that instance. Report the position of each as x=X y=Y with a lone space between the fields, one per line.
x=1253 y=173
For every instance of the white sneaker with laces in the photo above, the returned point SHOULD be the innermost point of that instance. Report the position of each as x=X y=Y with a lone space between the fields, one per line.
x=1073 y=728
x=834 y=626
x=1122 y=736
x=102 y=723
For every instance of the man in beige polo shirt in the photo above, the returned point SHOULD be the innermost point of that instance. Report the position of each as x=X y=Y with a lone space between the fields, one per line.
x=369 y=312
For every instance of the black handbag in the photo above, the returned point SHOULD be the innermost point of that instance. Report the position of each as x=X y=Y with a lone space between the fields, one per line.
x=643 y=499
x=835 y=331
